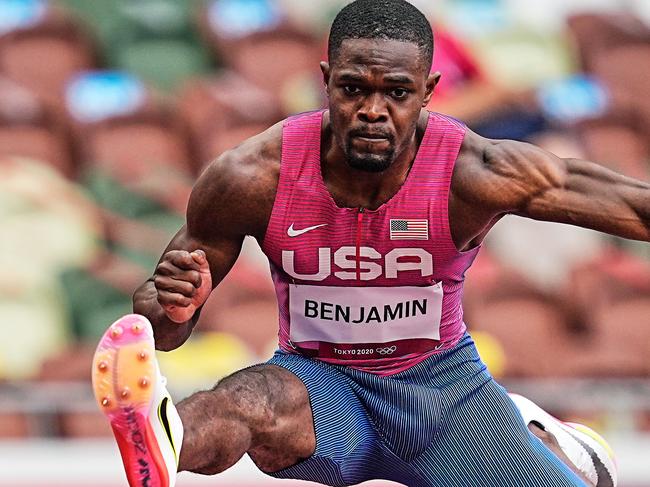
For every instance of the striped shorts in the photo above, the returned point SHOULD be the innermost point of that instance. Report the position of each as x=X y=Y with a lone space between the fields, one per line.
x=444 y=422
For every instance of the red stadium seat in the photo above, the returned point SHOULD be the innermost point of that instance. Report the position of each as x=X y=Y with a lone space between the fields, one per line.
x=616 y=49
x=530 y=325
x=149 y=157
x=83 y=424
x=594 y=33
x=126 y=135
x=626 y=70
x=37 y=143
x=532 y=332
x=617 y=146
x=225 y=110
x=28 y=129
x=245 y=306
x=619 y=345
x=14 y=425
x=44 y=55
x=612 y=296
x=249 y=35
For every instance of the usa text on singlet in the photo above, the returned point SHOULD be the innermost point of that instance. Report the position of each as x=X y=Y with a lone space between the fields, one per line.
x=376 y=290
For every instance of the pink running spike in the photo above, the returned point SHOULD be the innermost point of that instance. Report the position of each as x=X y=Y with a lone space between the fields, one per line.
x=102 y=366
x=125 y=392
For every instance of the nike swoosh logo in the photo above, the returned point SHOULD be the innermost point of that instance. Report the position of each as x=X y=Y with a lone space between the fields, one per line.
x=162 y=416
x=296 y=233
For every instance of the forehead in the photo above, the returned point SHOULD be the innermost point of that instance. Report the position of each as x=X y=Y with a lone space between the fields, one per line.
x=379 y=56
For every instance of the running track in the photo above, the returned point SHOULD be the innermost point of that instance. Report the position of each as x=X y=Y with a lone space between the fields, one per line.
x=45 y=463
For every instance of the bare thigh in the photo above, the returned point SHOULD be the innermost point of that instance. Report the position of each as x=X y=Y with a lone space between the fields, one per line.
x=263 y=411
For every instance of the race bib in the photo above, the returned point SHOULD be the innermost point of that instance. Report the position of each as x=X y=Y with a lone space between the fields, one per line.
x=364 y=315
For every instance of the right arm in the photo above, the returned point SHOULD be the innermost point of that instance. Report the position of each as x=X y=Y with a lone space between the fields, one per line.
x=185 y=276
x=232 y=198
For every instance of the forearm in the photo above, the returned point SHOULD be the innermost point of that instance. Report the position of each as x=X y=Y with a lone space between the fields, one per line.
x=168 y=334
x=591 y=196
x=626 y=201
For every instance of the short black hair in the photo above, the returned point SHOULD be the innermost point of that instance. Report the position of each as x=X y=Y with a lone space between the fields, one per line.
x=396 y=20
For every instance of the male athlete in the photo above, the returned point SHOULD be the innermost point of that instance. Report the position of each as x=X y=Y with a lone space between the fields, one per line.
x=370 y=213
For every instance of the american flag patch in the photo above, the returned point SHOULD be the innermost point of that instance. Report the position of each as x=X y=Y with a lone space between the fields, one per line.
x=409 y=230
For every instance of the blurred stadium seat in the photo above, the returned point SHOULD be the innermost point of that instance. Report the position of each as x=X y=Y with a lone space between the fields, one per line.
x=153 y=39
x=528 y=324
x=615 y=48
x=248 y=35
x=532 y=332
x=245 y=305
x=44 y=49
x=127 y=137
x=14 y=425
x=611 y=294
x=164 y=63
x=594 y=33
x=223 y=111
x=135 y=162
x=617 y=145
x=621 y=338
x=625 y=70
x=29 y=129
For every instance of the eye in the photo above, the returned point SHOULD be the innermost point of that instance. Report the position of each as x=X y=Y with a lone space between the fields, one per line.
x=399 y=93
x=351 y=90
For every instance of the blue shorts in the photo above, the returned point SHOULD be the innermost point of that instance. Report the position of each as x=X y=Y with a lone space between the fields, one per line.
x=443 y=423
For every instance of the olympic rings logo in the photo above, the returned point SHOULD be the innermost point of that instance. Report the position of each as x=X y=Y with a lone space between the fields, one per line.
x=386 y=350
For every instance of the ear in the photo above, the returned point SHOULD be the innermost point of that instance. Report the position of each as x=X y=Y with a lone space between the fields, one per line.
x=432 y=80
x=325 y=69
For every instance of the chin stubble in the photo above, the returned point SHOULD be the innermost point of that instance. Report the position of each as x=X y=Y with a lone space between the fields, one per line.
x=373 y=163
x=368 y=163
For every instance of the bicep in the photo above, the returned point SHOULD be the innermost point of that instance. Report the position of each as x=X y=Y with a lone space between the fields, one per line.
x=214 y=223
x=500 y=177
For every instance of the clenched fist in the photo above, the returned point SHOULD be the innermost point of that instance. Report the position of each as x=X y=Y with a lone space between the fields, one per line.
x=183 y=282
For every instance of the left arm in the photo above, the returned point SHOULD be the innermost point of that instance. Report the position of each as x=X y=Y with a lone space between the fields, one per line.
x=518 y=178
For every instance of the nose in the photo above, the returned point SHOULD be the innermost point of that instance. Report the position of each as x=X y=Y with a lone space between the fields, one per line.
x=374 y=109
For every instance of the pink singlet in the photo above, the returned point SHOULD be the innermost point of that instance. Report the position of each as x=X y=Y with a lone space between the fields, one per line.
x=378 y=290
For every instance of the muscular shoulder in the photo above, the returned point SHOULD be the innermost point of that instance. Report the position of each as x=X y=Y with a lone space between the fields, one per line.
x=234 y=195
x=504 y=175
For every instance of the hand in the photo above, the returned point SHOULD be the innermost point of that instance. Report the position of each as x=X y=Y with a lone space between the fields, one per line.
x=183 y=282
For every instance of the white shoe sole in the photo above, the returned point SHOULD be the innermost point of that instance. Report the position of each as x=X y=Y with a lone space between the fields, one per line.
x=588 y=451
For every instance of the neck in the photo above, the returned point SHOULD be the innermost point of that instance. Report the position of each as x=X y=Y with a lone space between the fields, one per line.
x=351 y=188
